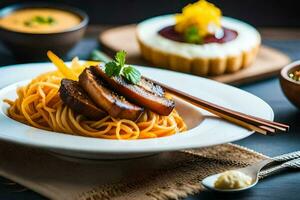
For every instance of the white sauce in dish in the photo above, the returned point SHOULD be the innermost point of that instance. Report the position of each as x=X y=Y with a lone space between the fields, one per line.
x=233 y=180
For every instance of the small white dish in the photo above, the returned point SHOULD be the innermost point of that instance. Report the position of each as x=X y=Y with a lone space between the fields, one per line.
x=205 y=130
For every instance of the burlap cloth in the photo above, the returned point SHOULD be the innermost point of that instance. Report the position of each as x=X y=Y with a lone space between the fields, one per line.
x=172 y=175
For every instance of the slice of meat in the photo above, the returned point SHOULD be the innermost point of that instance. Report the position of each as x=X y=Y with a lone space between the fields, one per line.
x=78 y=100
x=145 y=93
x=112 y=103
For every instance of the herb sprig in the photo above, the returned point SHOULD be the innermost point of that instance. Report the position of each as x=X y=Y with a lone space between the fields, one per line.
x=41 y=20
x=191 y=35
x=117 y=67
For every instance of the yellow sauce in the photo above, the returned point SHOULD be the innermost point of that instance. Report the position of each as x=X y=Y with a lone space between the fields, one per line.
x=40 y=20
x=233 y=180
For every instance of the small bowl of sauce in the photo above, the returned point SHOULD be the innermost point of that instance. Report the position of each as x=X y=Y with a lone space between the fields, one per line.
x=290 y=82
x=29 y=30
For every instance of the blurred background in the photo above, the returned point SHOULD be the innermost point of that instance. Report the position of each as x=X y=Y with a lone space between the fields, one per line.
x=266 y=13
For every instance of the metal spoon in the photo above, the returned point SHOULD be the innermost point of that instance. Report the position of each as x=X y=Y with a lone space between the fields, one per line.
x=293 y=164
x=254 y=171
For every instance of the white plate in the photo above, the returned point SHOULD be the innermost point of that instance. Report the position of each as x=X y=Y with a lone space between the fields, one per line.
x=206 y=132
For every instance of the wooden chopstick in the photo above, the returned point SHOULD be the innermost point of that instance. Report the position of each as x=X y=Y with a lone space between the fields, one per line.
x=250 y=122
x=262 y=130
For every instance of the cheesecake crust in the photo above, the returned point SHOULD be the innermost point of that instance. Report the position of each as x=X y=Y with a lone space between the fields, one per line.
x=198 y=66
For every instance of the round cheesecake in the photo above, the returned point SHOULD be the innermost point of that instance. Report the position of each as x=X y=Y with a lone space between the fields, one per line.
x=234 y=50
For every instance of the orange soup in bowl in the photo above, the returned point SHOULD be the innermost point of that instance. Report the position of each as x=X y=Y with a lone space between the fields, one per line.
x=40 y=20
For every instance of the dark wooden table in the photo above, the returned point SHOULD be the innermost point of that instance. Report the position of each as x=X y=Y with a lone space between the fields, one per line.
x=282 y=186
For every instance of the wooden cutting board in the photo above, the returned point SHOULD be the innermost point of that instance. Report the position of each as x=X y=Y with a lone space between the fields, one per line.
x=268 y=62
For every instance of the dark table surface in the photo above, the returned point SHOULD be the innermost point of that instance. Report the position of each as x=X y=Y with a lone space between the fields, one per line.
x=282 y=186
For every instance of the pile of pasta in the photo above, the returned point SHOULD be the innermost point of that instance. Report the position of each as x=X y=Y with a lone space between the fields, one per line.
x=38 y=104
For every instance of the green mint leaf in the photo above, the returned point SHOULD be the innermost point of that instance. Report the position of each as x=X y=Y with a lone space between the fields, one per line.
x=191 y=35
x=121 y=57
x=131 y=74
x=117 y=67
x=112 y=69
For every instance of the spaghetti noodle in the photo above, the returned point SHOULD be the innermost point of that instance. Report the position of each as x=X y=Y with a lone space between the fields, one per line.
x=38 y=104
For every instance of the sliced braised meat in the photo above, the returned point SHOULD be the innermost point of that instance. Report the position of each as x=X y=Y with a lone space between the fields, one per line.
x=78 y=100
x=115 y=105
x=146 y=93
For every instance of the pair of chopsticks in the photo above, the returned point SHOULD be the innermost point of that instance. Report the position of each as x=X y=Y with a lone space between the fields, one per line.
x=249 y=122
